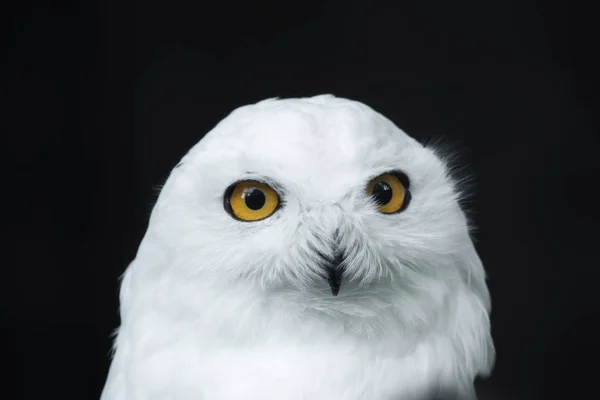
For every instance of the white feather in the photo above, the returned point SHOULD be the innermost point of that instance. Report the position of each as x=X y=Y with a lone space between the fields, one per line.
x=217 y=309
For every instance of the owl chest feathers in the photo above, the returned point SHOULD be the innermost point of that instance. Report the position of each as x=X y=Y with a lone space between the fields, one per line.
x=255 y=349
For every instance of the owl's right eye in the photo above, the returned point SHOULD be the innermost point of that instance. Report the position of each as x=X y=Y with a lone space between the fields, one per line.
x=390 y=192
x=251 y=200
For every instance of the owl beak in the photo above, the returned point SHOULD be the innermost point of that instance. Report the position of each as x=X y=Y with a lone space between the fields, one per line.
x=334 y=272
x=334 y=278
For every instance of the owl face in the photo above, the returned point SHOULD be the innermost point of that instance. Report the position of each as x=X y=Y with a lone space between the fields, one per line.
x=321 y=196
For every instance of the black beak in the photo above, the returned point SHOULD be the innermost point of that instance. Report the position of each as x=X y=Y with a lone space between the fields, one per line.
x=335 y=271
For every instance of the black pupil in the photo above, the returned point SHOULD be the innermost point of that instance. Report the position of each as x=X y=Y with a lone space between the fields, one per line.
x=382 y=193
x=255 y=199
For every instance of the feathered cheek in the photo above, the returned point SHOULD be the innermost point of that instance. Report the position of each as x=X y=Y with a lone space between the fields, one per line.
x=364 y=265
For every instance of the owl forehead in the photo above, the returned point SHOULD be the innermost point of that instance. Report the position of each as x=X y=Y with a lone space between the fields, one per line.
x=323 y=151
x=315 y=148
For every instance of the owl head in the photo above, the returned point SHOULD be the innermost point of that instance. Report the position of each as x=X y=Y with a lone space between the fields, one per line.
x=321 y=199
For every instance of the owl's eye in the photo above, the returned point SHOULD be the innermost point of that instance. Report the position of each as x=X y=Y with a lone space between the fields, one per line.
x=251 y=200
x=390 y=192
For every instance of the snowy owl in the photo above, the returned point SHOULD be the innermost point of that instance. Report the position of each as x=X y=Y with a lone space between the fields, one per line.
x=304 y=249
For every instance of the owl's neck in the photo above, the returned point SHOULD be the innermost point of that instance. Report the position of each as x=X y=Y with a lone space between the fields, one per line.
x=210 y=318
x=240 y=314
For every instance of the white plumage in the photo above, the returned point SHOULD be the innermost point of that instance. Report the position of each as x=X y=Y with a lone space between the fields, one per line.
x=216 y=308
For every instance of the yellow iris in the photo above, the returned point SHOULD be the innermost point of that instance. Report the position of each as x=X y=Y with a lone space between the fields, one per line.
x=251 y=200
x=389 y=193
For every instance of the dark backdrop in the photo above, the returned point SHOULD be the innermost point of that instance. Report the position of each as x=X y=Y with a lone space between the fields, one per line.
x=101 y=99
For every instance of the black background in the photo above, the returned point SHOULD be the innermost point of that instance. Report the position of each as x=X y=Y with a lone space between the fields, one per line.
x=102 y=98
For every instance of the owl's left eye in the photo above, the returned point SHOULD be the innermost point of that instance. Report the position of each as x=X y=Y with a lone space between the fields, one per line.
x=251 y=200
x=390 y=192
